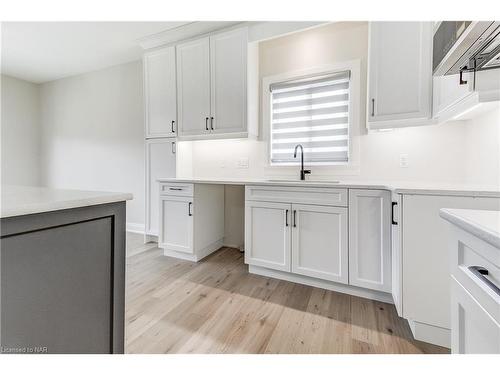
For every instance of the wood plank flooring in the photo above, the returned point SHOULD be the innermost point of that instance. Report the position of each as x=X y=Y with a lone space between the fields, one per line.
x=216 y=306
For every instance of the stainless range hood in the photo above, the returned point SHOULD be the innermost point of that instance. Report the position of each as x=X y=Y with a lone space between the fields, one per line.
x=466 y=46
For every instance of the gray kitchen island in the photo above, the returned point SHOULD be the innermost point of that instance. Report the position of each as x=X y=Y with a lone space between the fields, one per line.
x=62 y=271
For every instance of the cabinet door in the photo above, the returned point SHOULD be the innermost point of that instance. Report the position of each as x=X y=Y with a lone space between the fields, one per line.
x=160 y=93
x=160 y=162
x=473 y=330
x=176 y=224
x=267 y=235
x=319 y=242
x=448 y=94
x=193 y=87
x=370 y=239
x=396 y=255
x=228 y=62
x=399 y=73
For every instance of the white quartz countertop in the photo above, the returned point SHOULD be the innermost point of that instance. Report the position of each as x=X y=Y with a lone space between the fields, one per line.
x=423 y=188
x=483 y=224
x=25 y=200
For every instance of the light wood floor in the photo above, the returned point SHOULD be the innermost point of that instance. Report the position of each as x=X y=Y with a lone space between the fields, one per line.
x=216 y=306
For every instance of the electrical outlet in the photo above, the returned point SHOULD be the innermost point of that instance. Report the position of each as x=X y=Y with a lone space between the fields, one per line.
x=403 y=161
x=243 y=163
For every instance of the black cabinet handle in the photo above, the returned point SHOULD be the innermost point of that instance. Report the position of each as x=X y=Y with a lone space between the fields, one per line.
x=178 y=189
x=206 y=123
x=190 y=213
x=173 y=123
x=392 y=213
x=212 y=123
x=481 y=272
x=461 y=80
x=373 y=107
x=286 y=218
x=294 y=218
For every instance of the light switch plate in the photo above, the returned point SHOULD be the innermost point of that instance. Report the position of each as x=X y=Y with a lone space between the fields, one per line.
x=243 y=163
x=403 y=160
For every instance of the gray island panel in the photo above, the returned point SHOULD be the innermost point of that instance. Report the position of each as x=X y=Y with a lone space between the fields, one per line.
x=63 y=281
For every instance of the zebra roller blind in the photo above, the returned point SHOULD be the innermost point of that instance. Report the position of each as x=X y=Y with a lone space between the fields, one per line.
x=314 y=112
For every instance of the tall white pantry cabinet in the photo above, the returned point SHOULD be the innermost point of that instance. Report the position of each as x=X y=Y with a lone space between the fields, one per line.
x=160 y=116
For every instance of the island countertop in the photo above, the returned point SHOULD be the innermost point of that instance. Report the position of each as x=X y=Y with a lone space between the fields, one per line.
x=26 y=200
x=483 y=224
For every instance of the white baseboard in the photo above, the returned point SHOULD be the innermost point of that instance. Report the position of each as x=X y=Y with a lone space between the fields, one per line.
x=234 y=246
x=135 y=228
x=150 y=238
x=431 y=334
x=329 y=285
x=197 y=256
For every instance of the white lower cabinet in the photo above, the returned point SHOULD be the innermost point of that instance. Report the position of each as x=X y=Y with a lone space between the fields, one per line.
x=475 y=283
x=396 y=255
x=304 y=239
x=191 y=219
x=177 y=224
x=370 y=239
x=319 y=242
x=474 y=331
x=267 y=234
x=426 y=284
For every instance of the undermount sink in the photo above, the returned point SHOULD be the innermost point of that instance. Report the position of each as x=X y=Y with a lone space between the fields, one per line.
x=306 y=181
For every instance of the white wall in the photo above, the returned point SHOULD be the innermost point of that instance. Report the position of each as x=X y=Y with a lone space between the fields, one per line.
x=92 y=133
x=20 y=132
x=482 y=149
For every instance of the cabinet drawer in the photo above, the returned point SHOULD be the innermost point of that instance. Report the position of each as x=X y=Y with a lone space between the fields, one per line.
x=177 y=189
x=470 y=260
x=473 y=329
x=304 y=195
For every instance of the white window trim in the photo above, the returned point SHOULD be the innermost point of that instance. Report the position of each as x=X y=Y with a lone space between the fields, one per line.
x=354 y=110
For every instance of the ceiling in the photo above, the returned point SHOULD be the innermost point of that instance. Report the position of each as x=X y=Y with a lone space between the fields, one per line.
x=45 y=51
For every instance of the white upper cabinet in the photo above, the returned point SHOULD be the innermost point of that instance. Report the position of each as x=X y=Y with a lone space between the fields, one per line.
x=448 y=94
x=370 y=239
x=228 y=63
x=160 y=93
x=453 y=100
x=212 y=86
x=193 y=87
x=399 y=74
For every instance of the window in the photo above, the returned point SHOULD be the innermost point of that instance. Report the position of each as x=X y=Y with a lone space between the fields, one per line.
x=313 y=112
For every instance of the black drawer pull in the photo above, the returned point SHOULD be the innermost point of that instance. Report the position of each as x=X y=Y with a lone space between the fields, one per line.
x=179 y=189
x=190 y=213
x=392 y=213
x=481 y=272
